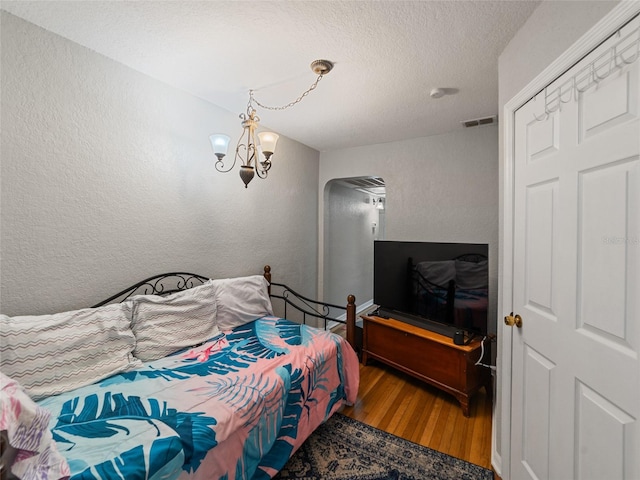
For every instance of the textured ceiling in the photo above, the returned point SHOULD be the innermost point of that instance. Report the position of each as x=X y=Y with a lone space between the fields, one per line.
x=388 y=55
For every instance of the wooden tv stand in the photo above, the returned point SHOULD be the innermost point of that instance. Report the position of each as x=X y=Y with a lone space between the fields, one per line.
x=428 y=356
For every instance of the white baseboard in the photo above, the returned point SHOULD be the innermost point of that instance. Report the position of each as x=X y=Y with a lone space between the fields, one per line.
x=360 y=309
x=496 y=463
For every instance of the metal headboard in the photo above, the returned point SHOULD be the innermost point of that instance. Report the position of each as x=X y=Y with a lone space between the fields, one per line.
x=163 y=284
x=327 y=312
x=308 y=307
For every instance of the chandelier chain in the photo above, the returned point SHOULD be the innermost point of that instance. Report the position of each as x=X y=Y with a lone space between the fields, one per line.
x=252 y=99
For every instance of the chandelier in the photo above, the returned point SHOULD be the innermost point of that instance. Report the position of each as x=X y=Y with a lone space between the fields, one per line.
x=255 y=156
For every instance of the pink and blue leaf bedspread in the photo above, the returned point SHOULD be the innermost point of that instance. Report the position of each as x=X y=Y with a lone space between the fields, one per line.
x=237 y=406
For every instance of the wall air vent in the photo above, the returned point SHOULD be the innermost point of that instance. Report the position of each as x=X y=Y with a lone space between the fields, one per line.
x=477 y=122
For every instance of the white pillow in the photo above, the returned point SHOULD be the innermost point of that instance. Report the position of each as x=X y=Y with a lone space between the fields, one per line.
x=438 y=272
x=241 y=300
x=164 y=325
x=52 y=354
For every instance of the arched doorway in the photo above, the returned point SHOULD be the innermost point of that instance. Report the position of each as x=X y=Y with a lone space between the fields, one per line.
x=354 y=217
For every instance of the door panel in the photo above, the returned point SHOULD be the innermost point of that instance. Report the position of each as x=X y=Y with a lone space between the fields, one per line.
x=613 y=103
x=575 y=361
x=541 y=201
x=606 y=216
x=542 y=138
x=538 y=379
x=600 y=422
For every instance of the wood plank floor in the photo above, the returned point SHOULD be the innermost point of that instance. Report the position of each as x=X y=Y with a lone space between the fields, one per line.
x=406 y=407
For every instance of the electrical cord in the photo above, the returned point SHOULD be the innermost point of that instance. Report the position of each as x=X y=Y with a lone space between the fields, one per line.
x=479 y=362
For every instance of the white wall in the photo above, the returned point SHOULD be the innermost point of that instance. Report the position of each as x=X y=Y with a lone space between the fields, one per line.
x=108 y=177
x=348 y=239
x=442 y=188
x=552 y=28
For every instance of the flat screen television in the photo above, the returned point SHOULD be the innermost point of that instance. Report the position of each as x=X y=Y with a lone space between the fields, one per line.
x=443 y=287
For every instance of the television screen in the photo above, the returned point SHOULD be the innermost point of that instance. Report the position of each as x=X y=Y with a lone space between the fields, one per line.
x=439 y=286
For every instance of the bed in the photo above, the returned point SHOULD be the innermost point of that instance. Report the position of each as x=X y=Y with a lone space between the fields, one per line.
x=453 y=291
x=232 y=400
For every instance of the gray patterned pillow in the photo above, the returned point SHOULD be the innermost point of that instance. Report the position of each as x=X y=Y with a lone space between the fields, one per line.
x=164 y=325
x=52 y=354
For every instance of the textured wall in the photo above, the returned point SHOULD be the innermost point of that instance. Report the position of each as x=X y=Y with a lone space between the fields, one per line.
x=107 y=177
x=552 y=28
x=442 y=188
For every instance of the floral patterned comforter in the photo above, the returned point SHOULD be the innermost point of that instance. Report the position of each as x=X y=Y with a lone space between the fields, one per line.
x=237 y=406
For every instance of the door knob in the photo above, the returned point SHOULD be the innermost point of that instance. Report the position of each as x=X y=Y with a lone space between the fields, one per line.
x=512 y=320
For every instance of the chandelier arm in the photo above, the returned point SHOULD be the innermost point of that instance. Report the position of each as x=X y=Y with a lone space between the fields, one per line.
x=249 y=124
x=262 y=172
x=219 y=165
x=239 y=155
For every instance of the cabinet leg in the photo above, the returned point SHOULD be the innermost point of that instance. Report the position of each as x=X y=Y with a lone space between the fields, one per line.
x=365 y=358
x=464 y=403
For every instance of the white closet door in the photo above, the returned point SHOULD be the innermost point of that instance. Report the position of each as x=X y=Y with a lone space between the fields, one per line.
x=576 y=369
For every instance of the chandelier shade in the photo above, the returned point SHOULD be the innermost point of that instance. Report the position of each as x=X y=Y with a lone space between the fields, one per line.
x=268 y=142
x=220 y=144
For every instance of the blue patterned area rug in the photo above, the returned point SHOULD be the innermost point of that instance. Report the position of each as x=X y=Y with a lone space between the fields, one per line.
x=345 y=449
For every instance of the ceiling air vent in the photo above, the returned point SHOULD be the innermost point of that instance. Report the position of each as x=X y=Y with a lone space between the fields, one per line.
x=364 y=182
x=369 y=185
x=477 y=122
